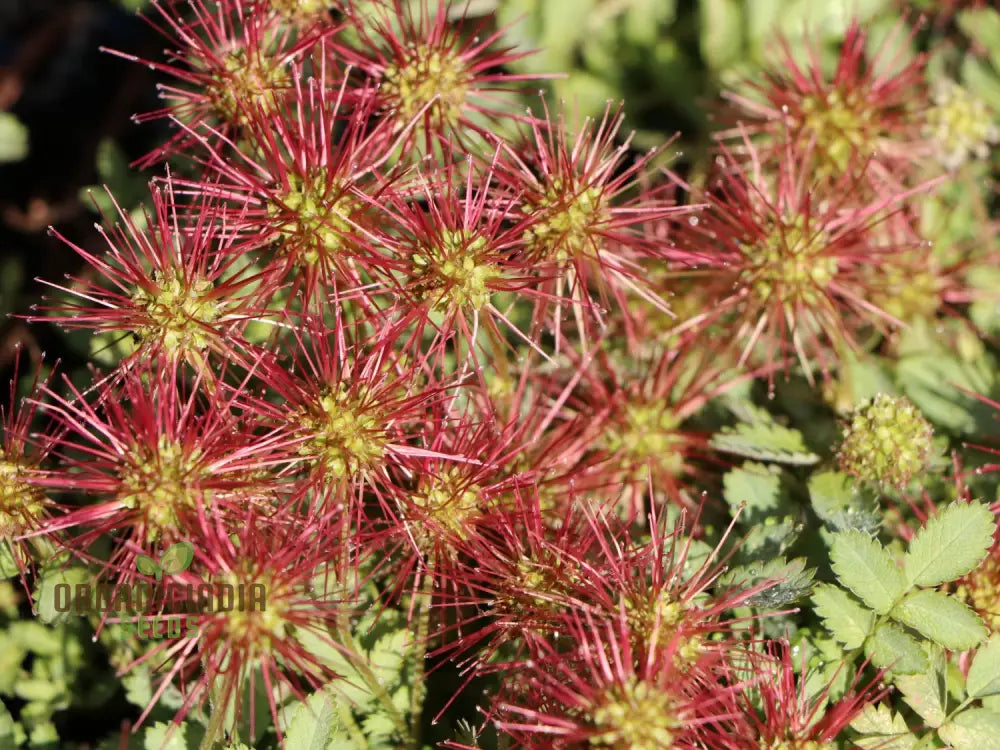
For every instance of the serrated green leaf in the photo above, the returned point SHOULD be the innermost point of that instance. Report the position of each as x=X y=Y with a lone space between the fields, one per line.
x=925 y=694
x=974 y=729
x=165 y=736
x=849 y=621
x=867 y=569
x=768 y=539
x=765 y=440
x=950 y=545
x=792 y=580
x=984 y=673
x=757 y=486
x=315 y=725
x=890 y=647
x=882 y=729
x=942 y=619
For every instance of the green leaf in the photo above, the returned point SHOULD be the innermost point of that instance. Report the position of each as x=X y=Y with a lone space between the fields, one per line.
x=882 y=729
x=890 y=647
x=166 y=736
x=791 y=581
x=982 y=25
x=765 y=440
x=930 y=380
x=721 y=32
x=756 y=485
x=950 y=545
x=941 y=618
x=316 y=724
x=148 y=566
x=984 y=673
x=867 y=569
x=925 y=693
x=839 y=502
x=974 y=729
x=45 y=592
x=8 y=565
x=847 y=619
x=177 y=558
x=13 y=138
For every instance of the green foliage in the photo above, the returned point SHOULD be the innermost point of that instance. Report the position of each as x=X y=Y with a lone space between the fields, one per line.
x=941 y=618
x=315 y=724
x=849 y=621
x=763 y=439
x=950 y=545
x=975 y=729
x=13 y=138
x=867 y=569
x=892 y=611
x=843 y=505
x=984 y=672
x=881 y=728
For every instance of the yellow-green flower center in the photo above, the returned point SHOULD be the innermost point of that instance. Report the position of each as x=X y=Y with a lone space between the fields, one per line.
x=179 y=313
x=661 y=616
x=450 y=274
x=320 y=212
x=961 y=125
x=637 y=716
x=648 y=434
x=20 y=502
x=427 y=75
x=569 y=223
x=160 y=485
x=300 y=10
x=345 y=436
x=788 y=265
x=840 y=125
x=258 y=625
x=446 y=505
x=800 y=745
x=249 y=82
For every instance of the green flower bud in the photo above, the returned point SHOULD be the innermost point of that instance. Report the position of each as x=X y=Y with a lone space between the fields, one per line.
x=887 y=442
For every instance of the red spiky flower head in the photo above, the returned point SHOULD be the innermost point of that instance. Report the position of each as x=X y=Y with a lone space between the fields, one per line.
x=151 y=453
x=783 y=712
x=862 y=118
x=226 y=57
x=591 y=689
x=432 y=74
x=589 y=206
x=252 y=600
x=792 y=265
x=168 y=281
x=24 y=502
